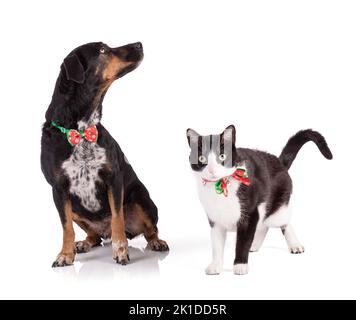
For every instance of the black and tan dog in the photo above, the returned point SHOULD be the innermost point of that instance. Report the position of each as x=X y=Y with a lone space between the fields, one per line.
x=93 y=184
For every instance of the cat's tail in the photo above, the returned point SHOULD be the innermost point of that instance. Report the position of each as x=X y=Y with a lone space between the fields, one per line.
x=294 y=144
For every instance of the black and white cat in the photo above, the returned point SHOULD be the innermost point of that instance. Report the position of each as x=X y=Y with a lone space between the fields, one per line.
x=245 y=190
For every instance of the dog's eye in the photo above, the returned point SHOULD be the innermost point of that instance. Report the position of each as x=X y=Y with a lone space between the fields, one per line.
x=202 y=159
x=102 y=50
x=222 y=157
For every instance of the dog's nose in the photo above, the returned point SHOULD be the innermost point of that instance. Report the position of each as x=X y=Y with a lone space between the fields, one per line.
x=137 y=45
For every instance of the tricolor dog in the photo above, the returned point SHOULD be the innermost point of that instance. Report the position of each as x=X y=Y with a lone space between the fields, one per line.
x=92 y=182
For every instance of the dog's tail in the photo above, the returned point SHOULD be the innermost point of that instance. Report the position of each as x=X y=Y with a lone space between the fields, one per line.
x=294 y=144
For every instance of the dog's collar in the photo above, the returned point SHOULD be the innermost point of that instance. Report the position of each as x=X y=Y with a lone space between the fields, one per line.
x=74 y=136
x=240 y=174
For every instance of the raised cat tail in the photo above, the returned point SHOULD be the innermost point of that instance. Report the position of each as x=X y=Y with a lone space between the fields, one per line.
x=294 y=144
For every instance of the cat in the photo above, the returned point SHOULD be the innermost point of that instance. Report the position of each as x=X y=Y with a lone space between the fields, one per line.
x=246 y=191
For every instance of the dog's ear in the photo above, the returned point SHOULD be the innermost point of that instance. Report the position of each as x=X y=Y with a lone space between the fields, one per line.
x=74 y=68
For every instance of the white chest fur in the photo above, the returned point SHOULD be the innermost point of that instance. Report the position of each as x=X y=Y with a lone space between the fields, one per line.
x=82 y=169
x=223 y=210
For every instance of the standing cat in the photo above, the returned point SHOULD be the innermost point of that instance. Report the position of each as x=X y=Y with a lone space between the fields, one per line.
x=245 y=190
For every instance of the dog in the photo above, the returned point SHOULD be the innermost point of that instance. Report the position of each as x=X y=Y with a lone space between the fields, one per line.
x=92 y=182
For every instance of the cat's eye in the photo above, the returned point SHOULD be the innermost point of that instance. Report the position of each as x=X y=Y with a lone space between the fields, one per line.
x=202 y=159
x=222 y=157
x=102 y=50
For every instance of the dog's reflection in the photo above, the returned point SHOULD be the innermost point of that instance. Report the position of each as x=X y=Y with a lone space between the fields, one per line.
x=98 y=264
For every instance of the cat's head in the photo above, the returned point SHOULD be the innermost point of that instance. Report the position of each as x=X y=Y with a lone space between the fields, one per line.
x=212 y=157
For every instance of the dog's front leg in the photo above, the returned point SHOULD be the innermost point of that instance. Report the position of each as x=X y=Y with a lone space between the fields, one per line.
x=119 y=241
x=67 y=254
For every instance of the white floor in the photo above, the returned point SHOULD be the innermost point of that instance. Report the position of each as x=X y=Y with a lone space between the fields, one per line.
x=274 y=273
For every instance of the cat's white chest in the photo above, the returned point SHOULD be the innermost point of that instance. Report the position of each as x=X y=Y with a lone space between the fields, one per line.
x=221 y=209
x=82 y=169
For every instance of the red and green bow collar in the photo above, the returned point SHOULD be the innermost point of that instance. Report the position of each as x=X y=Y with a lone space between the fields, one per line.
x=240 y=174
x=74 y=136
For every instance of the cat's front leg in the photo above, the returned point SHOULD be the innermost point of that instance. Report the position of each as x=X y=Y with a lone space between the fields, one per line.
x=218 y=236
x=246 y=228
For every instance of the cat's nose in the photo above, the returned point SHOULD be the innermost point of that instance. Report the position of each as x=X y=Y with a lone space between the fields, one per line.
x=211 y=170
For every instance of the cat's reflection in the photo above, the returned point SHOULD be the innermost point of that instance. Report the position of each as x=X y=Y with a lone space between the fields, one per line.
x=98 y=264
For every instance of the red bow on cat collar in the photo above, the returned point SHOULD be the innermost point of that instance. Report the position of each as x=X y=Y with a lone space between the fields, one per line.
x=240 y=174
x=74 y=136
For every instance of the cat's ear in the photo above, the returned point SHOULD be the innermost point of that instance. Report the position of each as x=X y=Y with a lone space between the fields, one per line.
x=192 y=136
x=74 y=68
x=230 y=134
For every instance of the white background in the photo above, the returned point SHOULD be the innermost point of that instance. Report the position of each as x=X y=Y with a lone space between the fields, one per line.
x=269 y=67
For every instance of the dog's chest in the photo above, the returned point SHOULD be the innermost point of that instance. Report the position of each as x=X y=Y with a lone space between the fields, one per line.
x=82 y=169
x=221 y=209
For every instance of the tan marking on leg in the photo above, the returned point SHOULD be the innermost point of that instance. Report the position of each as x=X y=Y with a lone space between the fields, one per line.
x=150 y=231
x=67 y=255
x=118 y=236
x=92 y=239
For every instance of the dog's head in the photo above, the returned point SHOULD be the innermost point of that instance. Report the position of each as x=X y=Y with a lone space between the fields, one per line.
x=98 y=64
x=87 y=73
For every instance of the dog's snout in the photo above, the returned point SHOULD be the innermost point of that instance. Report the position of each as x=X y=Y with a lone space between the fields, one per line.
x=132 y=52
x=137 y=45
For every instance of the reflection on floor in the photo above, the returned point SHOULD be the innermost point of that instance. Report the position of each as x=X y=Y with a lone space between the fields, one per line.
x=98 y=263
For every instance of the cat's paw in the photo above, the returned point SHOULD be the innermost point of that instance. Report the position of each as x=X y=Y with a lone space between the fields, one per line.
x=240 y=268
x=296 y=249
x=254 y=248
x=213 y=269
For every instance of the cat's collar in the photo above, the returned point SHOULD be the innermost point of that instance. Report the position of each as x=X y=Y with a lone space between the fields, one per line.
x=74 y=136
x=240 y=174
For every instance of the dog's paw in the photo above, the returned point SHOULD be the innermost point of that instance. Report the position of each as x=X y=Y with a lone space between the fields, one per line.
x=297 y=249
x=63 y=260
x=240 y=268
x=82 y=246
x=158 y=245
x=213 y=269
x=120 y=252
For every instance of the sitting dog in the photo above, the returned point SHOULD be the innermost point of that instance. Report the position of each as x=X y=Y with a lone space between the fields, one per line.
x=92 y=182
